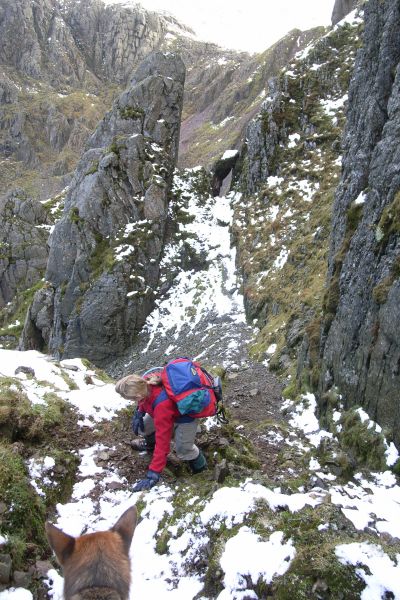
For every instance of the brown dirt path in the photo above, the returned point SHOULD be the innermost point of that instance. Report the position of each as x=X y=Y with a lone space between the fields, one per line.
x=253 y=397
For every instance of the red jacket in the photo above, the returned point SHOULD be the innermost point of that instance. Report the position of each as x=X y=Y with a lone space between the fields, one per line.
x=165 y=414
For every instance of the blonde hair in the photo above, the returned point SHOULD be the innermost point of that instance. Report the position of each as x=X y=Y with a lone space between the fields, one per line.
x=135 y=386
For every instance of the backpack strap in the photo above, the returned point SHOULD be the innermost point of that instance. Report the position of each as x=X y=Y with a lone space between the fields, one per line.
x=207 y=374
x=152 y=370
x=162 y=396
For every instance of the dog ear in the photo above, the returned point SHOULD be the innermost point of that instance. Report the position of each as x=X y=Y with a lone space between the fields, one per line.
x=62 y=543
x=125 y=526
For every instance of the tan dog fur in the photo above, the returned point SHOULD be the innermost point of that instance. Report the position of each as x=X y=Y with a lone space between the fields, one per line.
x=96 y=566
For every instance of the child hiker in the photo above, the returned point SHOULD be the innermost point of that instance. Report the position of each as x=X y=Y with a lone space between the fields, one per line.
x=158 y=417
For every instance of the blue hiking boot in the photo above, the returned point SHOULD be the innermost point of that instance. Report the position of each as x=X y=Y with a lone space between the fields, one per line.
x=198 y=464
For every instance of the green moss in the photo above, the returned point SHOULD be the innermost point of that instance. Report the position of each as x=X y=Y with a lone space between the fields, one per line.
x=332 y=294
x=291 y=390
x=52 y=413
x=381 y=291
x=25 y=517
x=315 y=558
x=74 y=216
x=163 y=535
x=116 y=145
x=365 y=446
x=16 y=312
x=317 y=565
x=93 y=169
x=389 y=223
x=131 y=112
x=102 y=258
x=100 y=374
x=55 y=206
x=19 y=419
x=396 y=468
x=69 y=381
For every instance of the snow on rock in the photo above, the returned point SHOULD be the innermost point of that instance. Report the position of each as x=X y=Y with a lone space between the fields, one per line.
x=229 y=506
x=332 y=106
x=93 y=399
x=246 y=554
x=214 y=290
x=281 y=259
x=293 y=139
x=380 y=573
x=41 y=471
x=303 y=417
x=16 y=594
x=229 y=154
x=374 y=502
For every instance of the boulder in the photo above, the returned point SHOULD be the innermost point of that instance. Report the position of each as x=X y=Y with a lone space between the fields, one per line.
x=104 y=252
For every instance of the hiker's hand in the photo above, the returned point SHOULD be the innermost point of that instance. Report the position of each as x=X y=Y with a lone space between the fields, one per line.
x=137 y=421
x=152 y=478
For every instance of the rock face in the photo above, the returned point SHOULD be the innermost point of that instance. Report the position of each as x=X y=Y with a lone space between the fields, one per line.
x=360 y=348
x=224 y=90
x=23 y=250
x=66 y=42
x=287 y=172
x=74 y=58
x=105 y=251
x=341 y=9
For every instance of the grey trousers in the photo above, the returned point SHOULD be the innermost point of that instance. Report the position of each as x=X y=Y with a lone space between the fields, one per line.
x=184 y=436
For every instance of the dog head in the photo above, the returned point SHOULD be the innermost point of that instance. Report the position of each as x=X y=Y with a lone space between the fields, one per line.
x=97 y=560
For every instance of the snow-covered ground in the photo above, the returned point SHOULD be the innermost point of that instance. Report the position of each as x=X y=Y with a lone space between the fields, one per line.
x=202 y=313
x=213 y=289
x=372 y=502
x=247 y=554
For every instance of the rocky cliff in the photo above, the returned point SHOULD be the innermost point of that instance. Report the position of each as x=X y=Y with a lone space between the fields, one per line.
x=74 y=58
x=65 y=43
x=105 y=251
x=224 y=90
x=287 y=172
x=360 y=350
x=71 y=60
x=342 y=8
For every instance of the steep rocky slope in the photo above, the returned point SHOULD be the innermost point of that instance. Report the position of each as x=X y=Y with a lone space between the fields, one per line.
x=224 y=90
x=105 y=251
x=315 y=523
x=341 y=324
x=287 y=172
x=359 y=347
x=284 y=510
x=74 y=58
